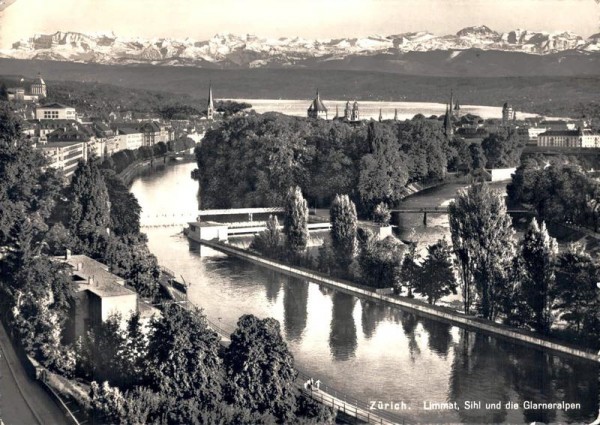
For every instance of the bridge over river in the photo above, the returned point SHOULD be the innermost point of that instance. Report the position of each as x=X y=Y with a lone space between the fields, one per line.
x=444 y=210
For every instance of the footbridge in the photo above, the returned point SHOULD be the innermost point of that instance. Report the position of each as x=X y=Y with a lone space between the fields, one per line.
x=445 y=210
x=171 y=219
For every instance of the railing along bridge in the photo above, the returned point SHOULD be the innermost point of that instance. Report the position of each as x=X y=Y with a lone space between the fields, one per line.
x=444 y=210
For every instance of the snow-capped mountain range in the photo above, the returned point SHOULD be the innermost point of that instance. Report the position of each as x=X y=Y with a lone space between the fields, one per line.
x=227 y=50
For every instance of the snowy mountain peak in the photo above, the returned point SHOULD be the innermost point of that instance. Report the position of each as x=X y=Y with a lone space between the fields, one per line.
x=478 y=30
x=227 y=49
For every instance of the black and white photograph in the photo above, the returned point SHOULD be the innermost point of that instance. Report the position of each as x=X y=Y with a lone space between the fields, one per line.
x=318 y=212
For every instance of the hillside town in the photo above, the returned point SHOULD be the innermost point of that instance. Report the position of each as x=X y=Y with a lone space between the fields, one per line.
x=67 y=136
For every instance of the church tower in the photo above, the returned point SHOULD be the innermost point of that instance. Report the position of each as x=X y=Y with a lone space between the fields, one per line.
x=348 y=112
x=448 y=129
x=508 y=114
x=355 y=112
x=456 y=109
x=38 y=87
x=210 y=108
x=317 y=109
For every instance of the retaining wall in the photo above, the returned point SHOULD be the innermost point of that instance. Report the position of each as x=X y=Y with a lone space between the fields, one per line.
x=436 y=312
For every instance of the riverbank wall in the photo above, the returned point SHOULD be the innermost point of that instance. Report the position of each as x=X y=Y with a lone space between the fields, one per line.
x=134 y=169
x=422 y=308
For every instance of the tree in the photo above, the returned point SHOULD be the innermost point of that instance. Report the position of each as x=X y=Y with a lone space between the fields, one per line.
x=437 y=279
x=484 y=244
x=89 y=209
x=576 y=294
x=107 y=341
x=380 y=261
x=108 y=403
x=124 y=207
x=134 y=353
x=382 y=174
x=478 y=159
x=343 y=230
x=295 y=225
x=381 y=214
x=410 y=270
x=28 y=189
x=502 y=149
x=539 y=251
x=260 y=368
x=268 y=241
x=10 y=124
x=39 y=299
x=521 y=189
x=183 y=357
x=3 y=92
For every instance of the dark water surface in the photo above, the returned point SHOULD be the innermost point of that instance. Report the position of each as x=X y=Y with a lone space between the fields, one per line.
x=371 y=352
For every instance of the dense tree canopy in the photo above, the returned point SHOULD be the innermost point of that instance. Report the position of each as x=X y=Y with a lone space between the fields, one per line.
x=538 y=251
x=576 y=294
x=295 y=224
x=502 y=149
x=484 y=243
x=343 y=230
x=89 y=207
x=559 y=192
x=251 y=160
x=380 y=261
x=260 y=368
x=437 y=278
x=183 y=358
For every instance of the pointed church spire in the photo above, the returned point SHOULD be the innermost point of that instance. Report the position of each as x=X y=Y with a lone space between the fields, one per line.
x=380 y=115
x=448 y=129
x=210 y=107
x=396 y=114
x=337 y=112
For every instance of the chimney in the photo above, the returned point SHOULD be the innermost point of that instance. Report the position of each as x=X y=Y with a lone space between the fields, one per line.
x=68 y=254
x=91 y=280
x=79 y=267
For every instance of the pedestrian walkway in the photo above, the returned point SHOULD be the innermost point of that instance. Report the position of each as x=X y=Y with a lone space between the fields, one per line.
x=22 y=399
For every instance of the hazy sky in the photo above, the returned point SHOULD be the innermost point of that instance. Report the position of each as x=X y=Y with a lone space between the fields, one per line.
x=201 y=19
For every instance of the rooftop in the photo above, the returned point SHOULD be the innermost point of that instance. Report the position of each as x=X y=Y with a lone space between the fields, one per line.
x=91 y=275
x=571 y=133
x=52 y=145
x=55 y=105
x=317 y=105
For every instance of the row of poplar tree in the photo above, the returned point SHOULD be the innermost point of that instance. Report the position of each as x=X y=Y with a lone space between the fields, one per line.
x=525 y=283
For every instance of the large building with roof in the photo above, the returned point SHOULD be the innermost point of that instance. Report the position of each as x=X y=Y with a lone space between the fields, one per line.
x=100 y=294
x=37 y=90
x=55 y=111
x=580 y=138
x=64 y=155
x=38 y=87
x=317 y=109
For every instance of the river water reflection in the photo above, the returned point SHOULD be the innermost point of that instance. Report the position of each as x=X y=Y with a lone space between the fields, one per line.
x=370 y=351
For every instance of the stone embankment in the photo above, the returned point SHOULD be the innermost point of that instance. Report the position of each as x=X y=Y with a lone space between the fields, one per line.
x=436 y=312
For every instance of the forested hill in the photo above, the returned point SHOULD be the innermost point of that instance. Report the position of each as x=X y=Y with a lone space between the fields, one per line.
x=552 y=96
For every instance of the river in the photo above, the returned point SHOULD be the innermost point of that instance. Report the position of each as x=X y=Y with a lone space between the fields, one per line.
x=369 y=351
